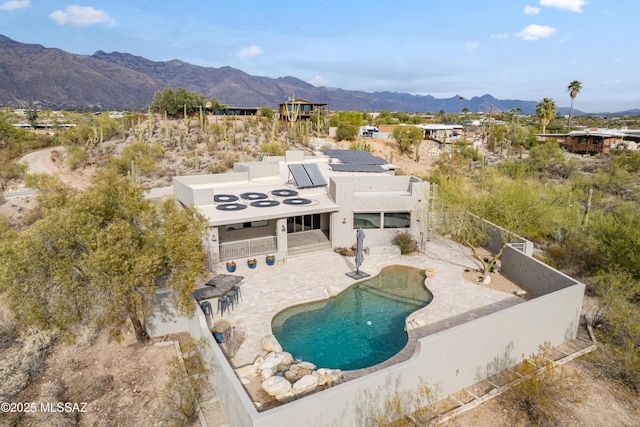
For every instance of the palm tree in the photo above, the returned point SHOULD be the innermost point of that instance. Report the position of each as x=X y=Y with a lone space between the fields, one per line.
x=546 y=110
x=574 y=88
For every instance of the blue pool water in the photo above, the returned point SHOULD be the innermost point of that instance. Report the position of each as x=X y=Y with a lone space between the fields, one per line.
x=361 y=327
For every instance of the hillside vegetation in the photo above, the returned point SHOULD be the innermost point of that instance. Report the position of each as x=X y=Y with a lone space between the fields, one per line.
x=581 y=212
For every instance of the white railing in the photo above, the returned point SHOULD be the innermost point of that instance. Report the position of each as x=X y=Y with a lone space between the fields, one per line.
x=249 y=247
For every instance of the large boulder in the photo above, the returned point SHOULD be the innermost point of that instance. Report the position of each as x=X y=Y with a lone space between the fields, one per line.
x=274 y=363
x=325 y=380
x=275 y=386
x=295 y=372
x=246 y=371
x=305 y=385
x=270 y=343
x=306 y=365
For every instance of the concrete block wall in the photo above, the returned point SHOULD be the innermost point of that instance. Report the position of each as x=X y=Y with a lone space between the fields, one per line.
x=534 y=276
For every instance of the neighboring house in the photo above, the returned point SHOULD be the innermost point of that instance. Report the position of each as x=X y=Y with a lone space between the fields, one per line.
x=300 y=109
x=231 y=110
x=594 y=140
x=296 y=204
x=441 y=133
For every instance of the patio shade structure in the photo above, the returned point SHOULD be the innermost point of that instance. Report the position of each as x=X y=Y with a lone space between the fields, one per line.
x=359 y=256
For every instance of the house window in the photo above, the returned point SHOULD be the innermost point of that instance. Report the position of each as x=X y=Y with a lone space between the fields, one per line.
x=366 y=220
x=306 y=107
x=397 y=220
x=303 y=223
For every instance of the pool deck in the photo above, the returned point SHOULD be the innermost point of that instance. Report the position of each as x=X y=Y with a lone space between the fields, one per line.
x=266 y=290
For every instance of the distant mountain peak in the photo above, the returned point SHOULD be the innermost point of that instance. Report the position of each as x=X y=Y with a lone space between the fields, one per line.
x=56 y=78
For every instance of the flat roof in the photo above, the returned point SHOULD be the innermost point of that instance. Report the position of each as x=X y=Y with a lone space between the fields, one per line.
x=271 y=205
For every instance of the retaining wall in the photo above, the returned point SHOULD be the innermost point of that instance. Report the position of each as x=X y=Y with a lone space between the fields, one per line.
x=451 y=359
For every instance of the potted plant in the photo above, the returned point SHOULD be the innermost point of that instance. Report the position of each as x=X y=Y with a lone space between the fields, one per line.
x=252 y=262
x=231 y=266
x=220 y=329
x=270 y=259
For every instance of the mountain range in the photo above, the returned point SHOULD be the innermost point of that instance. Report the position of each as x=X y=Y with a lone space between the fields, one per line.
x=53 y=78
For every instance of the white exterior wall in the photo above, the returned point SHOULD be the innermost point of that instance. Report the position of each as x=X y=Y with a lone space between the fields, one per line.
x=382 y=193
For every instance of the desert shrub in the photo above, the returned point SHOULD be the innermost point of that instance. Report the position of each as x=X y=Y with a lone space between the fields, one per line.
x=76 y=156
x=346 y=251
x=618 y=327
x=406 y=242
x=389 y=407
x=143 y=155
x=218 y=167
x=221 y=325
x=22 y=361
x=541 y=390
x=8 y=334
x=346 y=131
x=178 y=403
x=234 y=340
x=272 y=148
x=361 y=145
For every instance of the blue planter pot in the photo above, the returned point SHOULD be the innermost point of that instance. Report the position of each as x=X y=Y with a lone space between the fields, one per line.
x=270 y=261
x=252 y=264
x=231 y=268
x=218 y=337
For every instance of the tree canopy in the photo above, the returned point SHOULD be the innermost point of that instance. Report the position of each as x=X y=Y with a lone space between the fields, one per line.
x=97 y=256
x=406 y=136
x=574 y=88
x=546 y=111
x=174 y=103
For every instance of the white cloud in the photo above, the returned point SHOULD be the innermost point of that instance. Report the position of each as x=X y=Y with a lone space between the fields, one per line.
x=472 y=45
x=499 y=36
x=318 y=81
x=15 y=4
x=535 y=32
x=572 y=5
x=81 y=16
x=531 y=10
x=249 y=52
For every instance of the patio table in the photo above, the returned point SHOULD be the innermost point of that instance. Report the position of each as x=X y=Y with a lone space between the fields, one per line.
x=217 y=287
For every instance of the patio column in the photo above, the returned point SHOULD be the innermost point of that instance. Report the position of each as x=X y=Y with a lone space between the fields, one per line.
x=281 y=236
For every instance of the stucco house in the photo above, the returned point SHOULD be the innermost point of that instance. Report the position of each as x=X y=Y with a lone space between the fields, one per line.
x=594 y=140
x=297 y=203
x=304 y=109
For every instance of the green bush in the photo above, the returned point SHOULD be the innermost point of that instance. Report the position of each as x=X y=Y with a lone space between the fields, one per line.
x=346 y=131
x=272 y=148
x=76 y=156
x=406 y=242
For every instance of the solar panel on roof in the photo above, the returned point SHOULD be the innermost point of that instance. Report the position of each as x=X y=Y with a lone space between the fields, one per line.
x=300 y=176
x=307 y=175
x=355 y=156
x=314 y=173
x=355 y=167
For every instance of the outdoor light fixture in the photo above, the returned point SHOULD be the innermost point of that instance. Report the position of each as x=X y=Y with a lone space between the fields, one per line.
x=283 y=229
x=214 y=238
x=344 y=220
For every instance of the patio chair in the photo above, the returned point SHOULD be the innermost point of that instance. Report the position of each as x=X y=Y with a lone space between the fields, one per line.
x=237 y=295
x=230 y=302
x=222 y=305
x=206 y=308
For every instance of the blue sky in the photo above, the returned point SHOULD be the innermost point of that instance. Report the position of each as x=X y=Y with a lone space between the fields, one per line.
x=510 y=49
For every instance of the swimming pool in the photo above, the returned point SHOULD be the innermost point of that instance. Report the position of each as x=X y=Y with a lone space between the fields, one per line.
x=360 y=327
